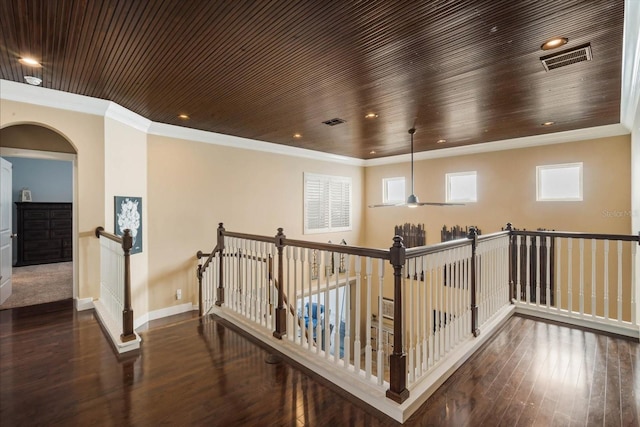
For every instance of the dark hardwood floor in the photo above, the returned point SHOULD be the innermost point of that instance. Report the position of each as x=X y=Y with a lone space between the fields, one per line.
x=56 y=368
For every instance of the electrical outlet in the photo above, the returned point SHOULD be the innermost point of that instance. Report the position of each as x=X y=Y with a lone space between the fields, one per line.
x=179 y=294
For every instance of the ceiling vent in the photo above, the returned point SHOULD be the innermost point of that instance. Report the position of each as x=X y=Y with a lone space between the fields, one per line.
x=567 y=57
x=333 y=122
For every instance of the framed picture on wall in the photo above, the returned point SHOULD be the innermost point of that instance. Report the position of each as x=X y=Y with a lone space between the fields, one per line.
x=128 y=215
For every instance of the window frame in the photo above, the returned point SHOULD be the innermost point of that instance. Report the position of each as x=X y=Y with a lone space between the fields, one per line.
x=447 y=180
x=541 y=168
x=331 y=180
x=385 y=189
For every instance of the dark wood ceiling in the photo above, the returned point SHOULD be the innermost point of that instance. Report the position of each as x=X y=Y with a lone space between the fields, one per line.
x=467 y=71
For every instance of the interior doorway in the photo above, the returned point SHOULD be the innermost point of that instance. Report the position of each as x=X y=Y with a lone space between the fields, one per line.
x=43 y=265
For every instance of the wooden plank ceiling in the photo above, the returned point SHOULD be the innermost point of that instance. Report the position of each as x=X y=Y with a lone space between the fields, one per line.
x=467 y=71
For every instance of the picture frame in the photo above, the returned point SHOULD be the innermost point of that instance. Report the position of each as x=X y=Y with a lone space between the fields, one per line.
x=25 y=195
x=387 y=308
x=128 y=215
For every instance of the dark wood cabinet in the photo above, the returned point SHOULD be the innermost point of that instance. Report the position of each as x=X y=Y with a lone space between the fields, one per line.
x=44 y=233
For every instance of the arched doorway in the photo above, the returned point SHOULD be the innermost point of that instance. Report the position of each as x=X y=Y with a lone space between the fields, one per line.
x=43 y=229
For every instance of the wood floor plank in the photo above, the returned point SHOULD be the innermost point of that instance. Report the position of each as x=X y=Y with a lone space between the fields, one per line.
x=57 y=368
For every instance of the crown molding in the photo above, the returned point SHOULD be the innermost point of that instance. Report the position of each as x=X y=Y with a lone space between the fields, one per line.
x=630 y=95
x=22 y=92
x=120 y=114
x=179 y=132
x=508 y=144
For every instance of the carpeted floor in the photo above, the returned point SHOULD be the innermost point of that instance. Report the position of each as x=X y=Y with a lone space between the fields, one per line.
x=37 y=284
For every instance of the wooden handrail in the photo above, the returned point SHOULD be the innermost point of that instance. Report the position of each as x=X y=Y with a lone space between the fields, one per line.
x=341 y=249
x=100 y=232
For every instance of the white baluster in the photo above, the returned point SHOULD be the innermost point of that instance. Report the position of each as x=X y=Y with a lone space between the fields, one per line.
x=527 y=279
x=606 y=279
x=619 y=281
x=518 y=268
x=382 y=357
x=303 y=280
x=422 y=308
x=336 y=321
x=429 y=279
x=290 y=294
x=559 y=275
x=327 y=306
x=347 y=329
x=581 y=296
x=357 y=345
x=549 y=241
x=570 y=276
x=593 y=278
x=634 y=284
x=537 y=272
x=318 y=327
x=367 y=352
x=410 y=265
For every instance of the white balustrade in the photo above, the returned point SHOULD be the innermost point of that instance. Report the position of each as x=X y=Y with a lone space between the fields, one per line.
x=596 y=291
x=112 y=279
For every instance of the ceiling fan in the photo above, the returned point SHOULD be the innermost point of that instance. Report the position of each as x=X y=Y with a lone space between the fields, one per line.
x=412 y=200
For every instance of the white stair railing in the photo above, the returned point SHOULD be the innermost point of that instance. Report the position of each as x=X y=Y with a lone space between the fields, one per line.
x=114 y=307
x=584 y=279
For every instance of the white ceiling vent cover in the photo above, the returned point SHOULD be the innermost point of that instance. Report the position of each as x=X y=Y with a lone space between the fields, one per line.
x=567 y=57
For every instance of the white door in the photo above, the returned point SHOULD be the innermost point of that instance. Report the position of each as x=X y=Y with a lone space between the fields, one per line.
x=6 y=253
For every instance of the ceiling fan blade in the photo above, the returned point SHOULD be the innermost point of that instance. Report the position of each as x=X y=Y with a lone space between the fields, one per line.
x=439 y=204
x=387 y=205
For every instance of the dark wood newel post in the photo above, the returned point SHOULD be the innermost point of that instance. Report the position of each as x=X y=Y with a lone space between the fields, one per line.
x=199 y=275
x=220 y=248
x=512 y=260
x=398 y=359
x=127 y=311
x=281 y=311
x=473 y=235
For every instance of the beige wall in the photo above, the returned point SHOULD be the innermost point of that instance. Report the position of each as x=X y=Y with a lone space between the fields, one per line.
x=507 y=191
x=188 y=187
x=86 y=133
x=125 y=165
x=193 y=186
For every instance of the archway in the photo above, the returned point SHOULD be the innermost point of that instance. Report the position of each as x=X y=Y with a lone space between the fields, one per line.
x=44 y=230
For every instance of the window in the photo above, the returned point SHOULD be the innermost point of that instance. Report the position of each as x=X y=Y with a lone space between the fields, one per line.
x=461 y=187
x=559 y=182
x=327 y=203
x=393 y=190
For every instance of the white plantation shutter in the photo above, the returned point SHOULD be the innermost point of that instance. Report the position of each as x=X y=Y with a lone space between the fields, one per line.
x=327 y=203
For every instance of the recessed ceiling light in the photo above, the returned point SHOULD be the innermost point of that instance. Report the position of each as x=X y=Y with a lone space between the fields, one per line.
x=183 y=116
x=554 y=43
x=371 y=116
x=441 y=141
x=297 y=135
x=372 y=152
x=33 y=80
x=549 y=123
x=29 y=61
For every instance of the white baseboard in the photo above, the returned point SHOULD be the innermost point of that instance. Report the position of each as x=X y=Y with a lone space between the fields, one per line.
x=113 y=332
x=163 y=312
x=83 y=304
